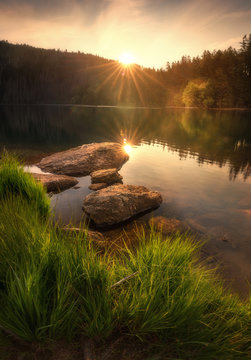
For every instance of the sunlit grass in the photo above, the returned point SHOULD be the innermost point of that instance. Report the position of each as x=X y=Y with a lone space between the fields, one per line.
x=179 y=301
x=14 y=181
x=59 y=285
x=52 y=285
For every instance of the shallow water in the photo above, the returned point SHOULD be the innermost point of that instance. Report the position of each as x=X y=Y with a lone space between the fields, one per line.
x=200 y=161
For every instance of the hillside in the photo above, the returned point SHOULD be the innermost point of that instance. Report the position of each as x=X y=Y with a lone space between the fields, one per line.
x=31 y=75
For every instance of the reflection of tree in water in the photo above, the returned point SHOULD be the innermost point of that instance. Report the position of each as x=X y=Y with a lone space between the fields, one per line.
x=222 y=138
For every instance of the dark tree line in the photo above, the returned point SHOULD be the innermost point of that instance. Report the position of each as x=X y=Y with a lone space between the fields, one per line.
x=31 y=75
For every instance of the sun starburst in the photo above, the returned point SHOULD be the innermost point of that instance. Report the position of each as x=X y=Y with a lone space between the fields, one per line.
x=126 y=59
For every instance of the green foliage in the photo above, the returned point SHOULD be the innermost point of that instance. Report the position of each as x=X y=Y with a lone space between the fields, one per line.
x=180 y=301
x=15 y=182
x=91 y=278
x=50 y=287
x=228 y=72
x=199 y=94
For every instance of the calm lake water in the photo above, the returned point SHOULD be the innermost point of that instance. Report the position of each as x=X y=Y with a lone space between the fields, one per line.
x=200 y=161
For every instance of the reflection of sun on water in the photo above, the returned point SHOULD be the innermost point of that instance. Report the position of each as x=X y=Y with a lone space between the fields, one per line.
x=127 y=148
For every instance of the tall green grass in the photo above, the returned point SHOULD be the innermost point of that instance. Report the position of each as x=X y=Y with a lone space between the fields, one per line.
x=181 y=302
x=55 y=285
x=14 y=181
x=51 y=286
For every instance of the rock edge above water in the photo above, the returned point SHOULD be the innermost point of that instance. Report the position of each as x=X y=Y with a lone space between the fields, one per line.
x=99 y=186
x=118 y=203
x=83 y=160
x=55 y=183
x=108 y=176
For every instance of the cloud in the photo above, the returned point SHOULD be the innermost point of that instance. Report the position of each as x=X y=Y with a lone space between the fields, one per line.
x=89 y=10
x=154 y=30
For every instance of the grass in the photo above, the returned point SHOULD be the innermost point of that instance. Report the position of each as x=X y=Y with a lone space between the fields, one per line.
x=14 y=181
x=50 y=287
x=57 y=287
x=180 y=301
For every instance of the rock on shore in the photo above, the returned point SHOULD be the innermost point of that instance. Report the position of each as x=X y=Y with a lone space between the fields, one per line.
x=118 y=203
x=55 y=183
x=83 y=160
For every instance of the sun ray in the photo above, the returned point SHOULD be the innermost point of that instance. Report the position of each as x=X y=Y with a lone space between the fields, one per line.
x=121 y=84
x=101 y=66
x=117 y=77
x=154 y=80
x=121 y=88
x=138 y=73
x=110 y=68
x=107 y=79
x=137 y=86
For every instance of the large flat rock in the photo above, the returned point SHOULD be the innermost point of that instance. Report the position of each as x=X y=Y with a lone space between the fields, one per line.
x=118 y=203
x=83 y=160
x=55 y=183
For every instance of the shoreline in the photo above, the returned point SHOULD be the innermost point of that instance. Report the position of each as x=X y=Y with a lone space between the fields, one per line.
x=218 y=250
x=130 y=107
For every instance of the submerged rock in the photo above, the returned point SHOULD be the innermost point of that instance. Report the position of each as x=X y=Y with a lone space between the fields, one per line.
x=55 y=183
x=118 y=203
x=92 y=235
x=168 y=225
x=108 y=176
x=83 y=160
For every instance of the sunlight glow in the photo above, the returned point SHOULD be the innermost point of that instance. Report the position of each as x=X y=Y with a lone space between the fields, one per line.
x=126 y=59
x=127 y=148
x=119 y=74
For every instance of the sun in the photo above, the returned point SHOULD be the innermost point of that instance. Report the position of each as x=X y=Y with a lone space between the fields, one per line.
x=126 y=59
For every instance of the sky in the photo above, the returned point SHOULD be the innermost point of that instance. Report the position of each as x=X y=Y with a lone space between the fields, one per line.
x=153 y=31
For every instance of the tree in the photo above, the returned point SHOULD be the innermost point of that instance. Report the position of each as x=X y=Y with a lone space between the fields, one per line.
x=199 y=94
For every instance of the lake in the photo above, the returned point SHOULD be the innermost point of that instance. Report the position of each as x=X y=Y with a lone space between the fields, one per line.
x=200 y=161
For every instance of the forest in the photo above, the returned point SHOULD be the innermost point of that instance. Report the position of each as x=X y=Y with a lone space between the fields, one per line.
x=217 y=79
